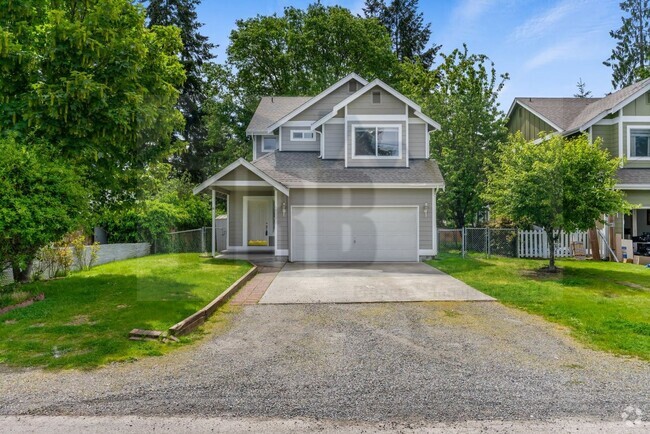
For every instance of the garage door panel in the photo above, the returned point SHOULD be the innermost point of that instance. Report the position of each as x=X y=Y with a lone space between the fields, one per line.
x=354 y=234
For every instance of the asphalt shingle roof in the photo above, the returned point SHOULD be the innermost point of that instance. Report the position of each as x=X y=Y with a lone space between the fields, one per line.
x=295 y=168
x=633 y=176
x=273 y=108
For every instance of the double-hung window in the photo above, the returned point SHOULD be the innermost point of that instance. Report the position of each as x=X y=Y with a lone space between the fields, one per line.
x=269 y=144
x=639 y=143
x=377 y=141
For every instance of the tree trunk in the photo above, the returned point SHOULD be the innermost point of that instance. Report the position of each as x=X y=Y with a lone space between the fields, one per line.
x=22 y=275
x=595 y=245
x=551 y=253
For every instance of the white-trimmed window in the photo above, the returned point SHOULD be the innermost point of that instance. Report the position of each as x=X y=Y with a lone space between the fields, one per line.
x=377 y=141
x=269 y=144
x=638 y=142
x=302 y=136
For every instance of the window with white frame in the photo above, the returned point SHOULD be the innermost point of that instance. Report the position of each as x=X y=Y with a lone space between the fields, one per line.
x=639 y=143
x=376 y=141
x=302 y=136
x=269 y=144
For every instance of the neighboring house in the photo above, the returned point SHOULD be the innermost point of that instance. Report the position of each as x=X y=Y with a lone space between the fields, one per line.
x=341 y=176
x=621 y=120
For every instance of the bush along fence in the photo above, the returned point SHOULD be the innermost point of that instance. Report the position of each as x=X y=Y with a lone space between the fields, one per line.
x=509 y=242
x=190 y=241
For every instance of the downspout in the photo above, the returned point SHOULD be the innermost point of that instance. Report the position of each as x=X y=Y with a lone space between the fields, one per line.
x=322 y=144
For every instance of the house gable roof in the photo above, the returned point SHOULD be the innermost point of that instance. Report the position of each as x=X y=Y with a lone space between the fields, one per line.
x=205 y=185
x=272 y=108
x=571 y=115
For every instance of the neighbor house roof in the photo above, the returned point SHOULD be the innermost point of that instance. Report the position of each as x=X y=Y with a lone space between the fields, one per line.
x=271 y=109
x=570 y=115
x=630 y=177
x=295 y=169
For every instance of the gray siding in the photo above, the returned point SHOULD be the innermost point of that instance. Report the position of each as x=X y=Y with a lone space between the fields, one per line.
x=417 y=141
x=609 y=136
x=282 y=233
x=236 y=214
x=325 y=105
x=334 y=141
x=241 y=174
x=370 y=197
x=289 y=145
x=389 y=105
x=376 y=162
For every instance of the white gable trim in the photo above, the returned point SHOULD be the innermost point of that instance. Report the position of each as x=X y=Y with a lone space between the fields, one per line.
x=317 y=98
x=536 y=113
x=427 y=119
x=213 y=180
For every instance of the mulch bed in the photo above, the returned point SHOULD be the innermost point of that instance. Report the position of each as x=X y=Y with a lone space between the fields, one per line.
x=28 y=302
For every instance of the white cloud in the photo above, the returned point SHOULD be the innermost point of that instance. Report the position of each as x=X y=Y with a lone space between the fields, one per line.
x=562 y=51
x=541 y=24
x=469 y=11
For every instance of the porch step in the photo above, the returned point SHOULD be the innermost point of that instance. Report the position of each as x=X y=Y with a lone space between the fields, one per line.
x=145 y=335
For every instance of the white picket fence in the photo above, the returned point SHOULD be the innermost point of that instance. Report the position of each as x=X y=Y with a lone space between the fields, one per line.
x=534 y=244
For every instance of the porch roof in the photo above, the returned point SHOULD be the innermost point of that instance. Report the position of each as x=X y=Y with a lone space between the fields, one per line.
x=217 y=181
x=631 y=178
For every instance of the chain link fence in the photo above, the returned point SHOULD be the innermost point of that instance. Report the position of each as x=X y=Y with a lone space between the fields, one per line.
x=487 y=241
x=190 y=241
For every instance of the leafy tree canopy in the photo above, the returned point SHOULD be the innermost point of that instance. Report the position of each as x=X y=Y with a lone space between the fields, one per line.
x=461 y=94
x=629 y=59
x=408 y=32
x=91 y=79
x=560 y=185
x=41 y=199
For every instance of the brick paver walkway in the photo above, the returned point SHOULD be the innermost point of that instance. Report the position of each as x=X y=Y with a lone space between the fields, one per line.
x=253 y=291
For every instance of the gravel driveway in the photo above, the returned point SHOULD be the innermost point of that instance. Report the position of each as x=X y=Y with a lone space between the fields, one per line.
x=361 y=362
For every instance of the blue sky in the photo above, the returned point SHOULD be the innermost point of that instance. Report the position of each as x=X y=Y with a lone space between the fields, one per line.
x=545 y=45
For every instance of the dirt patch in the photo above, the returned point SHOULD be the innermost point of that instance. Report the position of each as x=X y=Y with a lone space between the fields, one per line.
x=25 y=303
x=634 y=286
x=122 y=306
x=543 y=274
x=80 y=320
x=10 y=321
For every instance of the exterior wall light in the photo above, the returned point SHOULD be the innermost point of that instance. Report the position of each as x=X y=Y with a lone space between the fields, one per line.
x=284 y=209
x=426 y=209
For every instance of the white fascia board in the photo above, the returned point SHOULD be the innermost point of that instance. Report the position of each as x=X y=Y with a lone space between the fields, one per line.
x=317 y=98
x=542 y=117
x=427 y=119
x=232 y=166
x=632 y=186
x=322 y=120
x=369 y=185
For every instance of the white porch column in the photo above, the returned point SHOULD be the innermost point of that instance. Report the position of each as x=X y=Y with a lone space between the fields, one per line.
x=635 y=222
x=214 y=219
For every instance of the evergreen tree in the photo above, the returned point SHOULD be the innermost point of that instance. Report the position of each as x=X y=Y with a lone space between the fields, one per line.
x=195 y=53
x=629 y=59
x=582 y=90
x=408 y=32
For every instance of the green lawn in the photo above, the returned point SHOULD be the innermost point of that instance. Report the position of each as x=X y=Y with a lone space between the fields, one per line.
x=85 y=319
x=606 y=305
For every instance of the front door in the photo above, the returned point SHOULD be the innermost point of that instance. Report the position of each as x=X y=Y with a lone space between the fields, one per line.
x=259 y=223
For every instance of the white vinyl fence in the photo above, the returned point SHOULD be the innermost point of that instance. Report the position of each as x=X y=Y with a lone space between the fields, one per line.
x=534 y=244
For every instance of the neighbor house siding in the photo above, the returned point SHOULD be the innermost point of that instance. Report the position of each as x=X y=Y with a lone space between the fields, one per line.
x=372 y=197
x=376 y=162
x=281 y=235
x=638 y=107
x=633 y=163
x=236 y=213
x=334 y=141
x=417 y=141
x=325 y=105
x=529 y=124
x=638 y=197
x=298 y=145
x=609 y=136
x=389 y=104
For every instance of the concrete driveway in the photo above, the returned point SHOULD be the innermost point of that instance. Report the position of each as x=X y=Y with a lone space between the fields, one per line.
x=366 y=283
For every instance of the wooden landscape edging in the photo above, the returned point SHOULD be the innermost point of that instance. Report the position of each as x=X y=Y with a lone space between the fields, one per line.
x=198 y=318
x=28 y=302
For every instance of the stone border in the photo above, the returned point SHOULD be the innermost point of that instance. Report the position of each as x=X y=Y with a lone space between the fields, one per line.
x=196 y=319
x=28 y=302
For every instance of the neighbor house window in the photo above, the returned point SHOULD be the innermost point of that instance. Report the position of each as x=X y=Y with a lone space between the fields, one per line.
x=376 y=141
x=298 y=135
x=376 y=97
x=269 y=144
x=639 y=142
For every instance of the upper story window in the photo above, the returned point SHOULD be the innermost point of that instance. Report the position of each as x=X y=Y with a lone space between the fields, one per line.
x=639 y=146
x=269 y=144
x=377 y=141
x=376 y=97
x=303 y=136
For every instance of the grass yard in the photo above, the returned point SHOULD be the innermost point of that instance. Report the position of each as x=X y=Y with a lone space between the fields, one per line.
x=85 y=319
x=606 y=305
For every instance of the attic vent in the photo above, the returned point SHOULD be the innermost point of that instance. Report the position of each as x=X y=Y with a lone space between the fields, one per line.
x=376 y=97
x=352 y=86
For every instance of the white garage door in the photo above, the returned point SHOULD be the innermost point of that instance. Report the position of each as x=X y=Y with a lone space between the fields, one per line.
x=332 y=234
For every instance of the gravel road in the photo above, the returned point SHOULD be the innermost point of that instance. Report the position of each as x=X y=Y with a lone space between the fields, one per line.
x=392 y=362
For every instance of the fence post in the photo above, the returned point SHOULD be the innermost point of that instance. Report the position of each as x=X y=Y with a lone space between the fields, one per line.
x=203 y=239
x=463 y=234
x=487 y=241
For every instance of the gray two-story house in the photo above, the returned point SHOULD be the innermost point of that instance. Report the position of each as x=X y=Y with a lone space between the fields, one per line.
x=341 y=176
x=621 y=120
